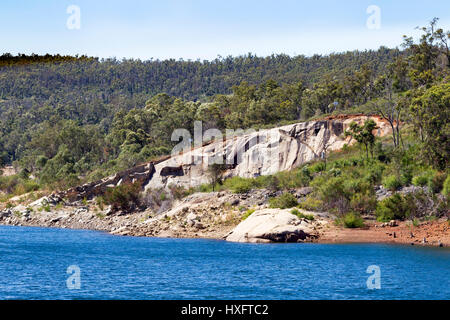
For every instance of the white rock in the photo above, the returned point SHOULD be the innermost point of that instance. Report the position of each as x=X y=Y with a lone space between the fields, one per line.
x=271 y=225
x=191 y=216
x=259 y=153
x=39 y=202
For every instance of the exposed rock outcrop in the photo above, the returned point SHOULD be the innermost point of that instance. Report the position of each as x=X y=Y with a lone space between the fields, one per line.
x=247 y=155
x=142 y=174
x=261 y=153
x=272 y=225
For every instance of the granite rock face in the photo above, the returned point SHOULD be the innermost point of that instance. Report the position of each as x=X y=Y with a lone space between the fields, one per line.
x=264 y=152
x=141 y=174
x=247 y=155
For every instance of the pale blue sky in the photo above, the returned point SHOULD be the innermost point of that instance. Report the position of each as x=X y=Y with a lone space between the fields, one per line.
x=204 y=29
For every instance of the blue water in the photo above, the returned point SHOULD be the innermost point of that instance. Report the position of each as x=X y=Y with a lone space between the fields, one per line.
x=34 y=262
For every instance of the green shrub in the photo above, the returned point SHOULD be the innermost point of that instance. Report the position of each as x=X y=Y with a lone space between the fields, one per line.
x=25 y=186
x=337 y=193
x=345 y=148
x=240 y=185
x=446 y=187
x=294 y=179
x=9 y=183
x=100 y=215
x=305 y=171
x=285 y=201
x=268 y=182
x=301 y=215
x=335 y=172
x=31 y=185
x=352 y=186
x=433 y=179
x=351 y=220
x=16 y=185
x=374 y=173
x=406 y=177
x=392 y=182
x=180 y=192
x=332 y=193
x=205 y=188
x=248 y=214
x=363 y=202
x=100 y=202
x=355 y=162
x=394 y=207
x=24 y=174
x=317 y=167
x=420 y=181
x=339 y=164
x=41 y=161
x=436 y=182
x=312 y=204
x=124 y=197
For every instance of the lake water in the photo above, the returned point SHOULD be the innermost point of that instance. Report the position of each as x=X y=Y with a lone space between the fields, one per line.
x=34 y=264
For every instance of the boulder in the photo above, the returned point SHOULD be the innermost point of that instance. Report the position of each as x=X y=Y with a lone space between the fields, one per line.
x=198 y=225
x=81 y=210
x=393 y=223
x=271 y=225
x=303 y=192
x=190 y=223
x=191 y=216
x=5 y=213
x=235 y=202
x=109 y=211
x=53 y=200
x=55 y=220
x=122 y=231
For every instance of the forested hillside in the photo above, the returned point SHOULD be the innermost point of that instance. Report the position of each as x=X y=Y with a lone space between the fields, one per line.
x=70 y=118
x=91 y=91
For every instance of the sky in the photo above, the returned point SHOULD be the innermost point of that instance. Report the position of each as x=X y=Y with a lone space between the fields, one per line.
x=206 y=29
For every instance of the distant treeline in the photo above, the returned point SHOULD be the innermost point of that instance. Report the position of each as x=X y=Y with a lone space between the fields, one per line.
x=39 y=76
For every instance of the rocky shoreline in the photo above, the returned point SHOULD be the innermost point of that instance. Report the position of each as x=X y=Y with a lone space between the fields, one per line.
x=223 y=216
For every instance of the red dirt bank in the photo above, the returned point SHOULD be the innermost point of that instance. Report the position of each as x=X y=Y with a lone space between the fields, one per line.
x=428 y=233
